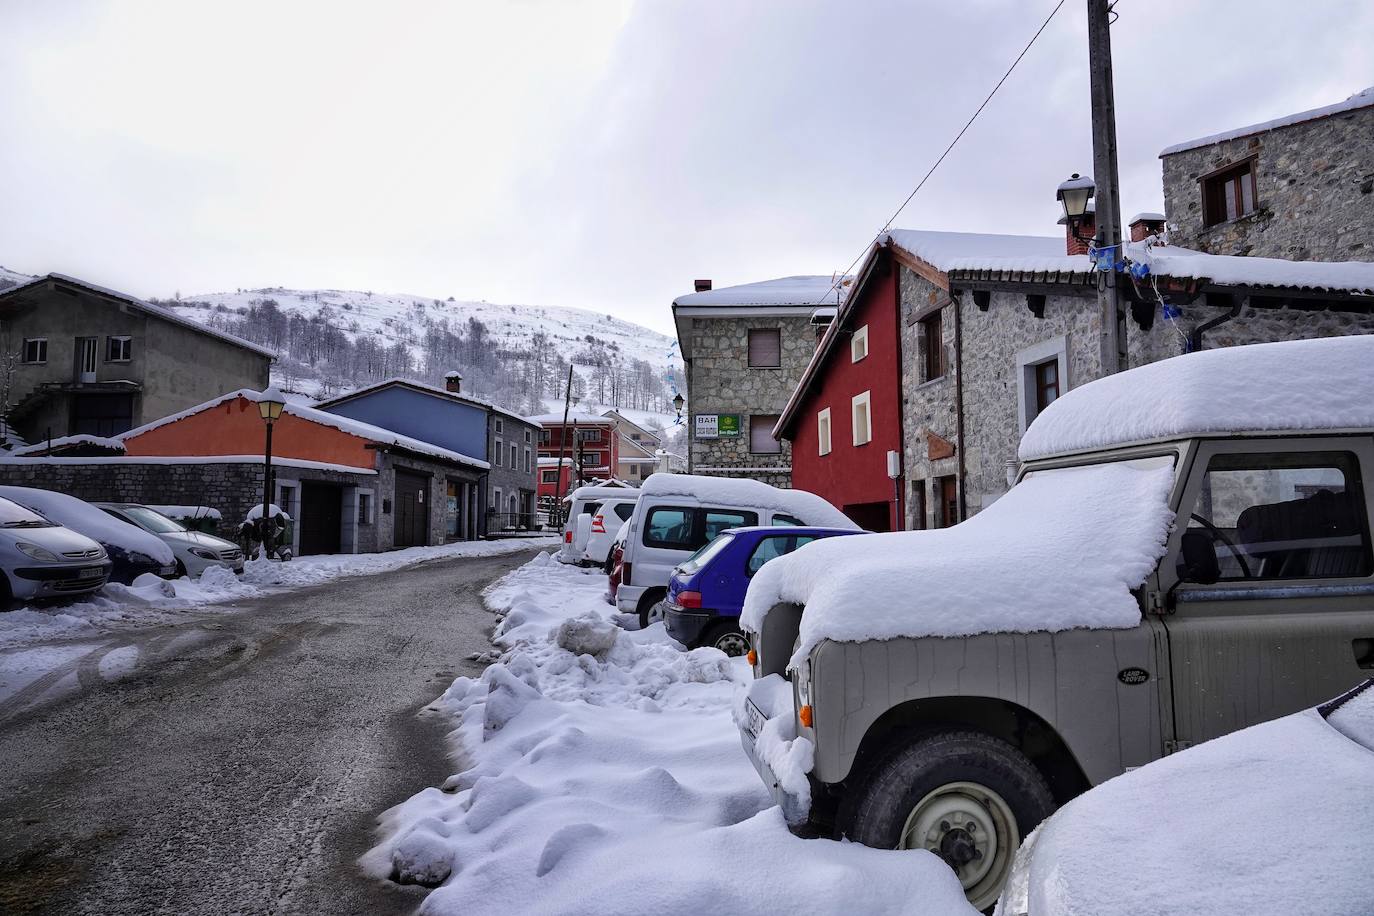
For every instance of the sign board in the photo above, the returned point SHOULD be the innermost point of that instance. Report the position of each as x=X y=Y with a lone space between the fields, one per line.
x=717 y=425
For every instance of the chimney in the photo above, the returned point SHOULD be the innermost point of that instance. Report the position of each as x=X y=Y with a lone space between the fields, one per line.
x=703 y=286
x=453 y=382
x=1144 y=225
x=1087 y=228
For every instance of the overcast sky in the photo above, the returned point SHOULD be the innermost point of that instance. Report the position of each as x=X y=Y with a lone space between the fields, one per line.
x=592 y=153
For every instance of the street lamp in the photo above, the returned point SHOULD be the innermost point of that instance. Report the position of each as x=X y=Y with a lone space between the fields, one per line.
x=1073 y=195
x=677 y=404
x=270 y=405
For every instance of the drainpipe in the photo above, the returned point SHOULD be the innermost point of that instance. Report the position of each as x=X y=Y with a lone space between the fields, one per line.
x=901 y=482
x=1195 y=337
x=959 y=404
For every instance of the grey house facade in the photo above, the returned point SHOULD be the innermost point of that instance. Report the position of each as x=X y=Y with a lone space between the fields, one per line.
x=745 y=349
x=1299 y=187
x=80 y=359
x=512 y=482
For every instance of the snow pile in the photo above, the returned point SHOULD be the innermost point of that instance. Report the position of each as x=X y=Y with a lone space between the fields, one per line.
x=1264 y=820
x=728 y=492
x=605 y=777
x=1063 y=549
x=789 y=757
x=273 y=510
x=96 y=524
x=1325 y=385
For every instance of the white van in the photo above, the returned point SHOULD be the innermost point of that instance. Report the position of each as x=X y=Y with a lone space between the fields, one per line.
x=678 y=513
x=588 y=541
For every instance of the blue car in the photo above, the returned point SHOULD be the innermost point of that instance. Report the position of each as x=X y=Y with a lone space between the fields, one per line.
x=706 y=592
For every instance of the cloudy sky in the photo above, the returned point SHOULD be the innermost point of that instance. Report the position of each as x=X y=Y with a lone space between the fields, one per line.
x=593 y=153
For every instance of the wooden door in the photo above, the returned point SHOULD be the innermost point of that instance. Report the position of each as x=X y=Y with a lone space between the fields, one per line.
x=321 y=518
x=412 y=509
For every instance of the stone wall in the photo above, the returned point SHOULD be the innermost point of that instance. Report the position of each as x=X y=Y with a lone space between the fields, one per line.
x=1315 y=192
x=509 y=479
x=437 y=495
x=720 y=381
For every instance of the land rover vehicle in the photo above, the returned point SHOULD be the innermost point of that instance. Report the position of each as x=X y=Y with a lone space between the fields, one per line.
x=678 y=514
x=1186 y=552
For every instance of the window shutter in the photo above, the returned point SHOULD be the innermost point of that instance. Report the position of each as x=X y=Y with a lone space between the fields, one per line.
x=765 y=348
x=761 y=441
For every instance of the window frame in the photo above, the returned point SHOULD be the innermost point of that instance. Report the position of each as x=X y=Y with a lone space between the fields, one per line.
x=697 y=528
x=866 y=401
x=500 y=425
x=42 y=343
x=500 y=449
x=932 y=334
x=1028 y=361
x=544 y=479
x=824 y=432
x=858 y=340
x=755 y=417
x=128 y=345
x=749 y=348
x=1213 y=187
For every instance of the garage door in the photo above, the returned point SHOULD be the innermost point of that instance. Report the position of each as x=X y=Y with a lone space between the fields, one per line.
x=412 y=509
x=321 y=518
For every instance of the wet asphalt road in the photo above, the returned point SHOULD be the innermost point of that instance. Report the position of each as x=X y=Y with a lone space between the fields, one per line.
x=241 y=767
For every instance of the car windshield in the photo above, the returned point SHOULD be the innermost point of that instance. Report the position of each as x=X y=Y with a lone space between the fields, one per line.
x=152 y=521
x=706 y=554
x=13 y=515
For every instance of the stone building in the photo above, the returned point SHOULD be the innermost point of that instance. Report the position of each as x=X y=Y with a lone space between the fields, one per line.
x=745 y=349
x=1299 y=187
x=76 y=358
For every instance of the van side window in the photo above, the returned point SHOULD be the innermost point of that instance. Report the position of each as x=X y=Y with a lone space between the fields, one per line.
x=781 y=519
x=717 y=520
x=1294 y=515
x=772 y=547
x=670 y=527
x=591 y=509
x=623 y=511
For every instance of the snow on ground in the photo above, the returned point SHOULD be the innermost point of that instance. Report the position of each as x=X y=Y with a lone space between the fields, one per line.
x=602 y=774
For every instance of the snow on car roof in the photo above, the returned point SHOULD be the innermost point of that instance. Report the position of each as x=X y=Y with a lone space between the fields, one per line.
x=1062 y=549
x=1264 y=820
x=629 y=493
x=730 y=491
x=1292 y=385
x=84 y=518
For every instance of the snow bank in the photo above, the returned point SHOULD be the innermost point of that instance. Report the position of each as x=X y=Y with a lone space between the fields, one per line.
x=1325 y=385
x=1265 y=820
x=85 y=518
x=606 y=777
x=1063 y=549
x=727 y=492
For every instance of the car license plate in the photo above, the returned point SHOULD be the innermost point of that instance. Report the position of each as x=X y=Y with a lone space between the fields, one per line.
x=90 y=572
x=755 y=719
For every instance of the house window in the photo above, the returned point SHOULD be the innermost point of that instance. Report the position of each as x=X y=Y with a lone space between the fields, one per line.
x=529 y=459
x=823 y=431
x=1041 y=377
x=500 y=450
x=593 y=459
x=496 y=497
x=858 y=344
x=545 y=437
x=118 y=349
x=514 y=457
x=500 y=425
x=765 y=348
x=918 y=505
x=1046 y=384
x=1229 y=194
x=549 y=476
x=947 y=489
x=932 y=347
x=364 y=508
x=859 y=414
x=761 y=441
x=528 y=437
x=589 y=435
x=35 y=349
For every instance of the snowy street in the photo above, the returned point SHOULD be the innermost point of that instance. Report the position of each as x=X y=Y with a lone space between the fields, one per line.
x=240 y=765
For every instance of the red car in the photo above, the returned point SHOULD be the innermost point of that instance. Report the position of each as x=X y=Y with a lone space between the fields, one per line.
x=617 y=555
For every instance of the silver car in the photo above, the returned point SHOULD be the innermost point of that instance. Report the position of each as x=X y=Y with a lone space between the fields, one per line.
x=41 y=559
x=195 y=552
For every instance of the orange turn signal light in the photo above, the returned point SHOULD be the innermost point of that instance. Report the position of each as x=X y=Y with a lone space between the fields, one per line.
x=752 y=657
x=804 y=714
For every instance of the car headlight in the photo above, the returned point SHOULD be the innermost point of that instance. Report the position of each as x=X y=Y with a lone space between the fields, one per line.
x=41 y=554
x=203 y=553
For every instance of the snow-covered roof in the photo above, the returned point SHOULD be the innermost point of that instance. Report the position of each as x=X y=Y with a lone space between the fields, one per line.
x=805 y=291
x=1258 y=821
x=419 y=386
x=947 y=251
x=353 y=427
x=1355 y=277
x=581 y=419
x=741 y=491
x=184 y=460
x=155 y=310
x=1361 y=99
x=1148 y=216
x=1291 y=385
x=1062 y=549
x=553 y=462
x=46 y=445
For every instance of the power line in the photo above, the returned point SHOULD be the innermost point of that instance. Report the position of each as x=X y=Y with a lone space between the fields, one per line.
x=888 y=225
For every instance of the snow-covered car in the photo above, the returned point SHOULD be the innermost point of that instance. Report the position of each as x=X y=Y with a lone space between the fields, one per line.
x=678 y=514
x=616 y=561
x=588 y=542
x=132 y=550
x=42 y=559
x=194 y=551
x=1262 y=821
x=1186 y=552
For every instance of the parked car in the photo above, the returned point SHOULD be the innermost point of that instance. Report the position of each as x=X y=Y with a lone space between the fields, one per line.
x=42 y=559
x=591 y=544
x=132 y=551
x=678 y=514
x=194 y=551
x=1185 y=552
x=1260 y=821
x=617 y=562
x=706 y=592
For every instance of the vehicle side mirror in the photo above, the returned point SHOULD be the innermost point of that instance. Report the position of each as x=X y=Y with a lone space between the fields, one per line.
x=1197 y=559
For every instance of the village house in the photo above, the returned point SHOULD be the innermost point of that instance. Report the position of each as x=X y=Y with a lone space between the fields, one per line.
x=79 y=359
x=1298 y=187
x=589 y=442
x=745 y=349
x=637 y=450
x=504 y=499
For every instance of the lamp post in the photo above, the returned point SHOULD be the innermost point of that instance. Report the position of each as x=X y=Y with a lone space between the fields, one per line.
x=677 y=405
x=270 y=405
x=1073 y=196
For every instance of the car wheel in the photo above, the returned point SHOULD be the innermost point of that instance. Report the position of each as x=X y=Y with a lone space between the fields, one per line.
x=728 y=638
x=965 y=796
x=6 y=593
x=181 y=570
x=651 y=607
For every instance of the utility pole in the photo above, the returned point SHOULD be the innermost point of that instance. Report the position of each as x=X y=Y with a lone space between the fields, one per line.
x=563 y=446
x=1108 y=213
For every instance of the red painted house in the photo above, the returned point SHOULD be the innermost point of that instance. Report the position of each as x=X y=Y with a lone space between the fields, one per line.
x=845 y=415
x=590 y=441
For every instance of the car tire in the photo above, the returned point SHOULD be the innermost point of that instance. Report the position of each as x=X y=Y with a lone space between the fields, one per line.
x=6 y=593
x=968 y=797
x=651 y=607
x=727 y=636
x=609 y=566
x=181 y=570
